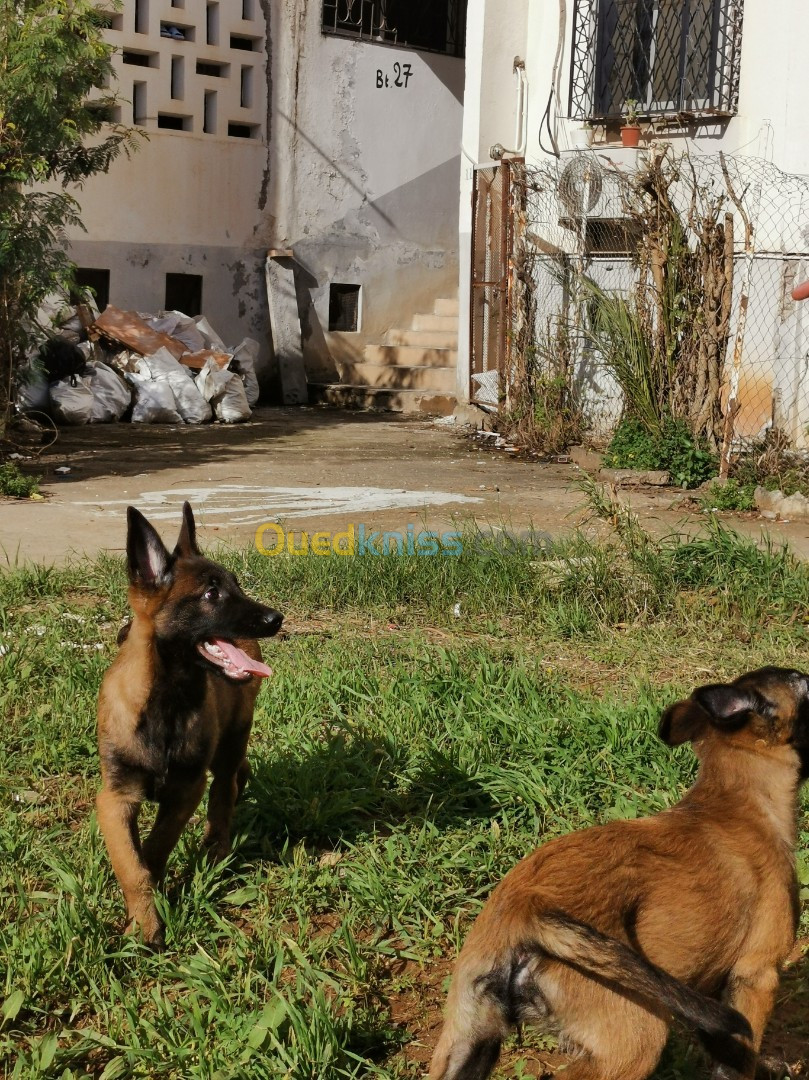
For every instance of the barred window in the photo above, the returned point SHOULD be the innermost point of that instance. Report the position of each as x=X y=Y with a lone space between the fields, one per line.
x=670 y=56
x=430 y=25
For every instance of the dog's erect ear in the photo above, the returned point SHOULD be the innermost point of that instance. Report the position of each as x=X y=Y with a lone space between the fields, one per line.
x=683 y=722
x=728 y=705
x=187 y=540
x=148 y=561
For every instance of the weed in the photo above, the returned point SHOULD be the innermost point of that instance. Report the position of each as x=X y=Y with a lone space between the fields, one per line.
x=674 y=449
x=729 y=496
x=16 y=484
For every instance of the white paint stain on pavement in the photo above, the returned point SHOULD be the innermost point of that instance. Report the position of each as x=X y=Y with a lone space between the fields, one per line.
x=245 y=505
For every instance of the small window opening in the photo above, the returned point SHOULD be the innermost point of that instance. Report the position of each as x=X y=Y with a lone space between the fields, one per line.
x=211 y=67
x=94 y=279
x=209 y=113
x=138 y=102
x=344 y=308
x=246 y=88
x=141 y=16
x=138 y=59
x=242 y=131
x=173 y=123
x=184 y=293
x=178 y=77
x=212 y=24
x=246 y=44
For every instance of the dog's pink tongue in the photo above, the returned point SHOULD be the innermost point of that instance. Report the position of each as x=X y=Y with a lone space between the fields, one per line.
x=241 y=660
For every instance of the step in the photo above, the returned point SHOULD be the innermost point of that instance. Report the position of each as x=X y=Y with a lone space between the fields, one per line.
x=398 y=376
x=447 y=307
x=410 y=356
x=427 y=339
x=436 y=322
x=374 y=397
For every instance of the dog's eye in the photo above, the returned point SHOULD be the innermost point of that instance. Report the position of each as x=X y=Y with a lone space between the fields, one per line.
x=212 y=593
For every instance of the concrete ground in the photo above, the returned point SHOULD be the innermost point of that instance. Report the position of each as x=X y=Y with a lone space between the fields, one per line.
x=308 y=469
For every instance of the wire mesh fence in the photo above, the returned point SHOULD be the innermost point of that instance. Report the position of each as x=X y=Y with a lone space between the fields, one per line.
x=693 y=258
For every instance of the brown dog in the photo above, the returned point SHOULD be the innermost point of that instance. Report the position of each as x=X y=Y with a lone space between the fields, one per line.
x=176 y=702
x=604 y=935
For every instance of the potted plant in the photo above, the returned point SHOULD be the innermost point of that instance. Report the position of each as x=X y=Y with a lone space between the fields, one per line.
x=630 y=129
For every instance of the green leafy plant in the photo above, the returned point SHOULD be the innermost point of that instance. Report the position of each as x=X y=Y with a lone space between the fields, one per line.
x=15 y=483
x=672 y=448
x=51 y=135
x=729 y=496
x=631 y=112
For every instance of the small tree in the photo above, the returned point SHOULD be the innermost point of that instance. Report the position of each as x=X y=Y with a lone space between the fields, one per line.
x=53 y=134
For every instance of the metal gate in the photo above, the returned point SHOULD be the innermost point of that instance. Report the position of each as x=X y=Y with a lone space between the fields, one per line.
x=489 y=307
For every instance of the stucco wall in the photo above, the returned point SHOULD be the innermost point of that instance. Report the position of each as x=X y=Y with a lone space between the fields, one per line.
x=187 y=201
x=363 y=184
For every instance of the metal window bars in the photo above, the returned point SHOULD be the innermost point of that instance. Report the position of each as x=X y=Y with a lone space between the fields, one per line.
x=417 y=24
x=672 y=57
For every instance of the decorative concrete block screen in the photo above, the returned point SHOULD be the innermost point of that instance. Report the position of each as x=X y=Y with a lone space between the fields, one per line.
x=191 y=65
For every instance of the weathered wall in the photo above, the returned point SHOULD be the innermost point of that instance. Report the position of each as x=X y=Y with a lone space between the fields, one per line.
x=187 y=201
x=363 y=181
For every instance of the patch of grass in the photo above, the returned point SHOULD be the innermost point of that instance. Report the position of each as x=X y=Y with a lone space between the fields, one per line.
x=16 y=484
x=404 y=758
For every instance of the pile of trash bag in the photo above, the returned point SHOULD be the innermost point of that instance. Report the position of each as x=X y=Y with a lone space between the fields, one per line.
x=167 y=368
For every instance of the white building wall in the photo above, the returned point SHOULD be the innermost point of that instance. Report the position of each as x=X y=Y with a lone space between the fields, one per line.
x=363 y=181
x=771 y=122
x=188 y=201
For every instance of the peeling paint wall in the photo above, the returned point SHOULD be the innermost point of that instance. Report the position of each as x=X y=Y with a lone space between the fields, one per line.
x=363 y=177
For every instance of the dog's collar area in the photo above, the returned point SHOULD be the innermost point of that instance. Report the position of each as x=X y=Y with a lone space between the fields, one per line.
x=232 y=661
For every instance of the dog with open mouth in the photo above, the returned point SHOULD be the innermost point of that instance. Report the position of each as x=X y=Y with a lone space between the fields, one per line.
x=176 y=703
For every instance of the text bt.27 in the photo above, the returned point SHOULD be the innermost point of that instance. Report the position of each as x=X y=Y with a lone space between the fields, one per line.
x=400 y=77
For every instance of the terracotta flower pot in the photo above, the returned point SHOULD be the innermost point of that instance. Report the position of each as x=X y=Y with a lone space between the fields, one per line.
x=630 y=135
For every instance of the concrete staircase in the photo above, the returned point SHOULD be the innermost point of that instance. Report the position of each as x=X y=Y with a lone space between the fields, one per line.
x=413 y=371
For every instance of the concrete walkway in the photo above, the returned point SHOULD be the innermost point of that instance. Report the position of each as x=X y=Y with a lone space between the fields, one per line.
x=307 y=469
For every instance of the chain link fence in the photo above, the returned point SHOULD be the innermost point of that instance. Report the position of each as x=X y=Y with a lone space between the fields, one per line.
x=705 y=249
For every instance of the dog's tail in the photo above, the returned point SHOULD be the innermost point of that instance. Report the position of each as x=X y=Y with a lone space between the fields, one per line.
x=493 y=993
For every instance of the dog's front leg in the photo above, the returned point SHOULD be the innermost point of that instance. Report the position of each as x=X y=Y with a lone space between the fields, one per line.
x=751 y=991
x=118 y=820
x=173 y=814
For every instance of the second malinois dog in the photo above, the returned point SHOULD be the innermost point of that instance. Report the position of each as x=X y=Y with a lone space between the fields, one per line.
x=605 y=935
x=176 y=702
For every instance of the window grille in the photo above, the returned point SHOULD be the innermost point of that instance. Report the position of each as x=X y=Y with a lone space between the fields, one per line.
x=672 y=57
x=430 y=25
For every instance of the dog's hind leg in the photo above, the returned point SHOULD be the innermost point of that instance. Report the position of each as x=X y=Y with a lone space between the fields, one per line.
x=751 y=991
x=174 y=813
x=118 y=820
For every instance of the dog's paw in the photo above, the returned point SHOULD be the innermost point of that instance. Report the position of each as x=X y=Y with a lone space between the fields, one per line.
x=149 y=929
x=216 y=849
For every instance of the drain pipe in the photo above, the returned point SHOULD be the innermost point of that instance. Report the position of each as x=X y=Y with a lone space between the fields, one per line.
x=498 y=151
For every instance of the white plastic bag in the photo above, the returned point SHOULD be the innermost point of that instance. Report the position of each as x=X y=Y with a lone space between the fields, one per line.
x=154 y=401
x=191 y=405
x=210 y=336
x=244 y=364
x=71 y=401
x=179 y=326
x=225 y=391
x=111 y=395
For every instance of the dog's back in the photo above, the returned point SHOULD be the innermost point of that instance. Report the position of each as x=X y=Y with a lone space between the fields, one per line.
x=608 y=933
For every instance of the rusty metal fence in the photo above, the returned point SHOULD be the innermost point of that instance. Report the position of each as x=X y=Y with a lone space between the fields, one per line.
x=492 y=252
x=541 y=232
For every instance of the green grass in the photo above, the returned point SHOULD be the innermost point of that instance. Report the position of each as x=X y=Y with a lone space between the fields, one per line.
x=16 y=484
x=404 y=758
